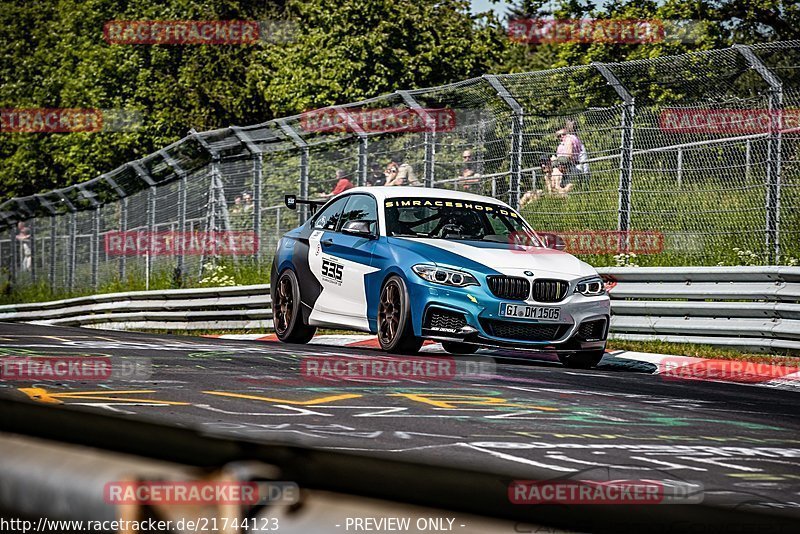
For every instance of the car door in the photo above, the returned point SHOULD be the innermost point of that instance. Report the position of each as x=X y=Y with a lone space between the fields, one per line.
x=341 y=261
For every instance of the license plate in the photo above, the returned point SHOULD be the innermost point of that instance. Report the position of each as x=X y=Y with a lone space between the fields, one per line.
x=539 y=313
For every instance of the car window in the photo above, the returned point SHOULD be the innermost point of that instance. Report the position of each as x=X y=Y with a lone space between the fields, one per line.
x=361 y=208
x=435 y=218
x=328 y=218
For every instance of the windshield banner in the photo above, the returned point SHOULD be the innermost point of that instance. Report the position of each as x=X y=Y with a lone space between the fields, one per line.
x=448 y=203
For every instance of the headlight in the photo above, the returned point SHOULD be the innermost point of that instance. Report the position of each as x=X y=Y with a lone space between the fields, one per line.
x=591 y=287
x=447 y=277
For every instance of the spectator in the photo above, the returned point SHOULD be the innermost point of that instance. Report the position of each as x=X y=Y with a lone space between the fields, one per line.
x=560 y=177
x=236 y=215
x=24 y=239
x=567 y=145
x=469 y=178
x=390 y=174
x=376 y=176
x=247 y=204
x=404 y=174
x=581 y=155
x=343 y=183
x=535 y=194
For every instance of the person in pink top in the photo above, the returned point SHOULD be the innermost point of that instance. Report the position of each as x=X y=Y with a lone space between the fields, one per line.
x=569 y=146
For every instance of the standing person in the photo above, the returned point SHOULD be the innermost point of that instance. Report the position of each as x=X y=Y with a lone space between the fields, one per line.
x=470 y=179
x=24 y=240
x=582 y=159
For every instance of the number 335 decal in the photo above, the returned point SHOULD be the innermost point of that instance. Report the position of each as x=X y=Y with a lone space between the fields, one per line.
x=332 y=271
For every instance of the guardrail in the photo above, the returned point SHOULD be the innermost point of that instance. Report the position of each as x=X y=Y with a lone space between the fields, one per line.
x=215 y=308
x=754 y=308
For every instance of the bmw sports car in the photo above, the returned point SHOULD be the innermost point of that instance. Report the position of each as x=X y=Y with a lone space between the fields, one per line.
x=410 y=264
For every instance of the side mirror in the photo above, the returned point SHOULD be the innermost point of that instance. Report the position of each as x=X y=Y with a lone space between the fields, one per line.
x=358 y=228
x=554 y=241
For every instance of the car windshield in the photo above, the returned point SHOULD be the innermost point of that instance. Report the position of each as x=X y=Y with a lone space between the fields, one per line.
x=456 y=219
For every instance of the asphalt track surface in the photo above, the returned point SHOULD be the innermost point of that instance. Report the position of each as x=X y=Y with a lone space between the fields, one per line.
x=529 y=416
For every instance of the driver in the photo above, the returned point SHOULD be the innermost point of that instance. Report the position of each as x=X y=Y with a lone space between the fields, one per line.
x=464 y=223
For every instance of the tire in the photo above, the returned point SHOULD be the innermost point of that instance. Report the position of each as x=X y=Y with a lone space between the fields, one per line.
x=286 y=317
x=581 y=359
x=454 y=347
x=395 y=331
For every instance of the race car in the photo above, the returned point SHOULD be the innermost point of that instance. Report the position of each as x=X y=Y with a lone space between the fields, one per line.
x=412 y=263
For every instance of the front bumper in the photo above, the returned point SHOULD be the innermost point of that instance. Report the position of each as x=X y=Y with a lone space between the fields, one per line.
x=472 y=315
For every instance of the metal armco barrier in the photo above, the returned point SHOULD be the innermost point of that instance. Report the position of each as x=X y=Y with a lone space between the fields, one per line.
x=755 y=308
x=215 y=308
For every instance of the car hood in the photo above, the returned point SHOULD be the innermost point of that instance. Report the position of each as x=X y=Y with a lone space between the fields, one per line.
x=502 y=257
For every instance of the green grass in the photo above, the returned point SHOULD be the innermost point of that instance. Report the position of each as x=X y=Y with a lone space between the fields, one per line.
x=702 y=220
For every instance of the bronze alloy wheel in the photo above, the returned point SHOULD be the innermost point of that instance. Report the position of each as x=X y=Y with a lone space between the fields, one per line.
x=389 y=311
x=284 y=305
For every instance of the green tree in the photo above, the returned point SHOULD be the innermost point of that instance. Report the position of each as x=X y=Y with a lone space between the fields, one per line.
x=54 y=56
x=691 y=26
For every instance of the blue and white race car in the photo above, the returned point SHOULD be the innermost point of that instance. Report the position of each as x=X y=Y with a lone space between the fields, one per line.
x=410 y=264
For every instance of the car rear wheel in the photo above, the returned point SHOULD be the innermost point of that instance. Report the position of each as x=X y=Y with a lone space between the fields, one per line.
x=286 y=317
x=395 y=331
x=454 y=347
x=581 y=359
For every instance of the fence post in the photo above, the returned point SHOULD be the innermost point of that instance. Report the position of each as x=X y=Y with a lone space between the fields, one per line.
x=363 y=161
x=258 y=176
x=71 y=239
x=626 y=148
x=34 y=250
x=142 y=173
x=95 y=246
x=51 y=265
x=122 y=203
x=680 y=167
x=773 y=178
x=747 y=158
x=12 y=241
x=73 y=253
x=123 y=227
x=51 y=268
x=430 y=137
x=216 y=194
x=301 y=144
x=182 y=195
x=517 y=124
